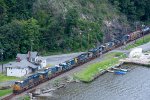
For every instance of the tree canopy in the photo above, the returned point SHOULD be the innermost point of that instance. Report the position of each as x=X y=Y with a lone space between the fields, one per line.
x=49 y=26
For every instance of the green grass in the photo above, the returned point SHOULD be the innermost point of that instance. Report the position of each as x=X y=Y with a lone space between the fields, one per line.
x=5 y=92
x=139 y=42
x=88 y=74
x=4 y=78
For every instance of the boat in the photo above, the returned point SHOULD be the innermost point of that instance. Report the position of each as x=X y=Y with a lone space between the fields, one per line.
x=120 y=69
x=119 y=72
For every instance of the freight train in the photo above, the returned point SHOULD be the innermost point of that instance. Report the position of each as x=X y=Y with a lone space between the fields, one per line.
x=51 y=72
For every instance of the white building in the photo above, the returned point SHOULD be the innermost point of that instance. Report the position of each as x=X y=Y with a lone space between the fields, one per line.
x=32 y=56
x=41 y=61
x=20 y=69
x=136 y=53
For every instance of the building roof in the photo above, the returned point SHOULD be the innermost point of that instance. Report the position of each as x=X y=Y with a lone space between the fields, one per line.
x=41 y=58
x=22 y=64
x=33 y=54
x=22 y=56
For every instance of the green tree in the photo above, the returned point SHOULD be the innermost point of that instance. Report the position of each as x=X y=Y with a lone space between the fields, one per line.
x=31 y=34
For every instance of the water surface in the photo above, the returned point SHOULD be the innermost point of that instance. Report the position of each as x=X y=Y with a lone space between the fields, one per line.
x=135 y=85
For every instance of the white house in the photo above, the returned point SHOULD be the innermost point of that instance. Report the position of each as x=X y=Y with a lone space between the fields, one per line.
x=41 y=61
x=20 y=69
x=32 y=56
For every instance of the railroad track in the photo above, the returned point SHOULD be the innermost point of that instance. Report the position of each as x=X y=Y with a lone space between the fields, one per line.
x=9 y=97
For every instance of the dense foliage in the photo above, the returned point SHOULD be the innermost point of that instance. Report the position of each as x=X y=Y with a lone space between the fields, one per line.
x=59 y=25
x=134 y=9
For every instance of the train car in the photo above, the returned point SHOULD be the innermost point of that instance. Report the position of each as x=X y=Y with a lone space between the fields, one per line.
x=145 y=30
x=95 y=52
x=82 y=58
x=56 y=69
x=125 y=38
x=72 y=62
x=69 y=64
x=116 y=42
x=33 y=80
x=64 y=66
x=49 y=73
x=27 y=83
x=19 y=86
x=43 y=76
x=101 y=49
x=110 y=45
x=135 y=35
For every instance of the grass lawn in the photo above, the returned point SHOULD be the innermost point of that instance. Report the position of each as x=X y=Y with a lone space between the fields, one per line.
x=88 y=74
x=5 y=92
x=4 y=78
x=139 y=42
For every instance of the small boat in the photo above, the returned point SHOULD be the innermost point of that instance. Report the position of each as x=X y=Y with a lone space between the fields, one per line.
x=120 y=69
x=120 y=72
x=111 y=71
x=125 y=70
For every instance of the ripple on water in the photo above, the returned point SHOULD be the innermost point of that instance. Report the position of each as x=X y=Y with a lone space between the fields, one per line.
x=135 y=85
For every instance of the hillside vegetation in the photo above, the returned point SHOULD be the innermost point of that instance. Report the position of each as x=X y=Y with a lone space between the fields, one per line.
x=63 y=25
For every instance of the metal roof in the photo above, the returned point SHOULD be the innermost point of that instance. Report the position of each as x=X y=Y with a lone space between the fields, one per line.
x=22 y=56
x=22 y=64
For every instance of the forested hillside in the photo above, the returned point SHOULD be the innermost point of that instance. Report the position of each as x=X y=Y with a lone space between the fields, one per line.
x=65 y=25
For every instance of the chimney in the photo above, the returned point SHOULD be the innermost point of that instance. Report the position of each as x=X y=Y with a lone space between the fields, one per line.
x=29 y=56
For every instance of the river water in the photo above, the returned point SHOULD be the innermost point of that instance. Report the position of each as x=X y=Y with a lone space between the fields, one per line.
x=135 y=85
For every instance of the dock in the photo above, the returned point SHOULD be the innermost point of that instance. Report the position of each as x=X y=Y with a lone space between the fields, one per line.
x=137 y=61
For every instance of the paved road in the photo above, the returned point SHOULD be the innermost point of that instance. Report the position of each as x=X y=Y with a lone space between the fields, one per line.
x=54 y=59
x=145 y=47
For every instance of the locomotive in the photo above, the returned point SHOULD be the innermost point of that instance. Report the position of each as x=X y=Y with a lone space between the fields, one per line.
x=51 y=72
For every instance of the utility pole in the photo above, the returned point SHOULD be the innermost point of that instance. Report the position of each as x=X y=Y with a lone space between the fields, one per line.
x=81 y=40
x=143 y=36
x=136 y=29
x=89 y=38
x=1 y=50
x=88 y=41
x=143 y=32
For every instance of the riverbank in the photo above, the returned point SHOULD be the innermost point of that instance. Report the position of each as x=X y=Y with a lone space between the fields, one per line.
x=132 y=86
x=95 y=69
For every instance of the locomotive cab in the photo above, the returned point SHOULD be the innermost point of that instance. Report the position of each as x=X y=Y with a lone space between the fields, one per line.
x=17 y=87
x=109 y=45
